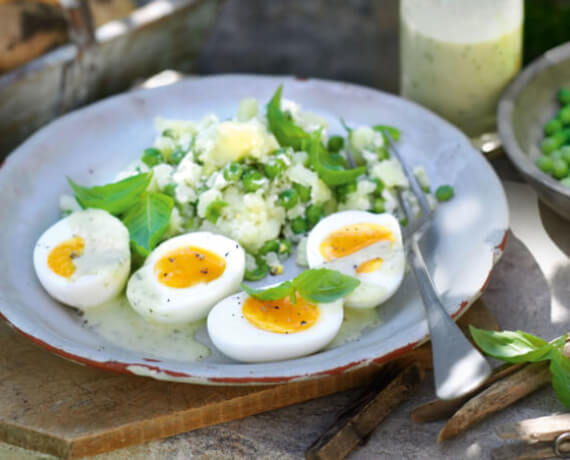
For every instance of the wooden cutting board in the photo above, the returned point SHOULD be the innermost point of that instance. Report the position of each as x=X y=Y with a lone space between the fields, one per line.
x=65 y=409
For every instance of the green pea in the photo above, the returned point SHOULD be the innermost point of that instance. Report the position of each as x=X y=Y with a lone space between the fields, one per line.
x=288 y=198
x=314 y=213
x=252 y=180
x=379 y=186
x=564 y=95
x=556 y=155
x=565 y=152
x=169 y=133
x=269 y=246
x=176 y=157
x=169 y=190
x=565 y=182
x=259 y=272
x=343 y=190
x=562 y=136
x=444 y=193
x=303 y=192
x=274 y=167
x=233 y=172
x=299 y=225
x=379 y=205
x=335 y=143
x=549 y=144
x=383 y=154
x=214 y=210
x=559 y=168
x=152 y=157
x=544 y=163
x=285 y=247
x=552 y=127
x=564 y=115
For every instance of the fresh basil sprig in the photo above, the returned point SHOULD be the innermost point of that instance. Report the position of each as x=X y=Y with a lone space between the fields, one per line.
x=115 y=198
x=560 y=371
x=147 y=221
x=287 y=133
x=519 y=346
x=330 y=172
x=320 y=285
x=394 y=132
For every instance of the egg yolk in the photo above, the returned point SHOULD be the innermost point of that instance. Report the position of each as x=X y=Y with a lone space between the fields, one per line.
x=352 y=238
x=60 y=258
x=281 y=316
x=370 y=265
x=186 y=266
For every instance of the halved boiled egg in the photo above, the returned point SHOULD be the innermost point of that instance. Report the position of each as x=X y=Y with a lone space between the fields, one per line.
x=344 y=233
x=84 y=259
x=185 y=276
x=251 y=330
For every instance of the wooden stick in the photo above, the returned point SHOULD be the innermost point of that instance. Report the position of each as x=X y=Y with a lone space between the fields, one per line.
x=439 y=409
x=354 y=425
x=523 y=451
x=499 y=395
x=536 y=429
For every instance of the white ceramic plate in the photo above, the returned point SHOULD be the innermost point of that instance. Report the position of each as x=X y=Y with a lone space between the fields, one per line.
x=93 y=144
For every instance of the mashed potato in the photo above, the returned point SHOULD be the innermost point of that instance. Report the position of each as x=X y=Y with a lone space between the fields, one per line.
x=232 y=177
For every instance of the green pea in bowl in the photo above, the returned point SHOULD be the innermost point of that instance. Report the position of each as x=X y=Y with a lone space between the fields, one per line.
x=528 y=104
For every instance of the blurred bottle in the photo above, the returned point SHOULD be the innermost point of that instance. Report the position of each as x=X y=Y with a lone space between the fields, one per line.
x=457 y=56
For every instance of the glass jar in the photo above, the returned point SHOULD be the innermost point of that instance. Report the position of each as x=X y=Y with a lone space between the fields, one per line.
x=457 y=56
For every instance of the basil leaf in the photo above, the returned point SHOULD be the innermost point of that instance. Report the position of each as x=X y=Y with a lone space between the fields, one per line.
x=274 y=293
x=287 y=133
x=326 y=167
x=394 y=132
x=511 y=346
x=560 y=370
x=115 y=198
x=147 y=221
x=324 y=285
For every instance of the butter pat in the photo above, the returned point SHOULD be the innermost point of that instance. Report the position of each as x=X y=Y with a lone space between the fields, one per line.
x=234 y=140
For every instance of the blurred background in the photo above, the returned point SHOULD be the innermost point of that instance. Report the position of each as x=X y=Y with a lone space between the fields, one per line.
x=43 y=76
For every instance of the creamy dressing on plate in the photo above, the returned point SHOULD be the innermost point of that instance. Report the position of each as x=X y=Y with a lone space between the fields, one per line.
x=354 y=323
x=117 y=322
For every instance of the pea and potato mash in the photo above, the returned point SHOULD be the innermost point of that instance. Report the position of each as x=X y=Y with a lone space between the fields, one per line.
x=235 y=177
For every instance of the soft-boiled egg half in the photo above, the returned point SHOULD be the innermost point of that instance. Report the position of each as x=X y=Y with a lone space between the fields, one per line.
x=251 y=330
x=185 y=276
x=84 y=259
x=344 y=233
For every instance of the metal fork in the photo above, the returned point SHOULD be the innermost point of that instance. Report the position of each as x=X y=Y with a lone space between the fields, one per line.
x=457 y=365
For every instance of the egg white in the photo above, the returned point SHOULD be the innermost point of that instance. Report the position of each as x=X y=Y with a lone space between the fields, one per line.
x=375 y=287
x=239 y=339
x=101 y=271
x=160 y=303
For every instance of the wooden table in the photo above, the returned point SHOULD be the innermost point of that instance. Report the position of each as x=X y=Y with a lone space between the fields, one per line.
x=528 y=290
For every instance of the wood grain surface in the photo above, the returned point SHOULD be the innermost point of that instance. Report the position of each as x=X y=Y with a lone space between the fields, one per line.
x=61 y=408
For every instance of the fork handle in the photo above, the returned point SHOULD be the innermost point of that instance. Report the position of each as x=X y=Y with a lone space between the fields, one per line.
x=458 y=366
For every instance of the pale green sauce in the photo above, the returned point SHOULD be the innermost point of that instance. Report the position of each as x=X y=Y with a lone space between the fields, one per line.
x=461 y=81
x=117 y=322
x=354 y=323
